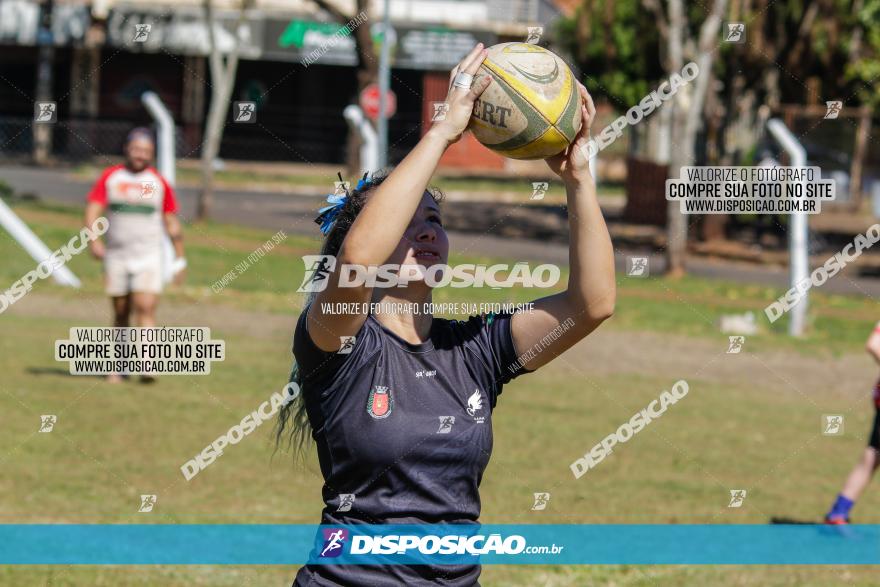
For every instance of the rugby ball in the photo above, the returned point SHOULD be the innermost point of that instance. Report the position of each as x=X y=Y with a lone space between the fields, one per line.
x=531 y=110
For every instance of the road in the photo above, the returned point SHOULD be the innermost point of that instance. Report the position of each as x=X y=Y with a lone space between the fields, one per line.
x=294 y=214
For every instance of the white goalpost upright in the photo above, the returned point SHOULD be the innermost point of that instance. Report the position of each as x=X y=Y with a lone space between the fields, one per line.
x=799 y=266
x=165 y=154
x=369 y=152
x=31 y=243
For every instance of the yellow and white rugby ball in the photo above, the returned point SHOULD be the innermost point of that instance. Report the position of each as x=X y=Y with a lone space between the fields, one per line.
x=531 y=110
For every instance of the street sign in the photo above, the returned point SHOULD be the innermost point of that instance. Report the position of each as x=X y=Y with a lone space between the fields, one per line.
x=370 y=102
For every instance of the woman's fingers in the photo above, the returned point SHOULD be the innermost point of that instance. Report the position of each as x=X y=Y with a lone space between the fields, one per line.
x=469 y=65
x=591 y=107
x=465 y=63
x=588 y=101
x=480 y=85
x=476 y=62
x=452 y=76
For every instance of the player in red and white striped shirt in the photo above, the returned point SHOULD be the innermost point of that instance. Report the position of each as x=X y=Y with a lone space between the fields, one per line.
x=140 y=206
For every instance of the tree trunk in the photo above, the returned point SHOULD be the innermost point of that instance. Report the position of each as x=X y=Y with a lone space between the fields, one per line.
x=688 y=114
x=676 y=235
x=223 y=79
x=222 y=91
x=367 y=72
x=42 y=148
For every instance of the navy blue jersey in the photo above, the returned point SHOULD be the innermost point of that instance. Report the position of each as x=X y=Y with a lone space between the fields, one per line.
x=404 y=433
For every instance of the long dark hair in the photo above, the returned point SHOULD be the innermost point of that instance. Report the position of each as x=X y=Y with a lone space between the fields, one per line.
x=293 y=420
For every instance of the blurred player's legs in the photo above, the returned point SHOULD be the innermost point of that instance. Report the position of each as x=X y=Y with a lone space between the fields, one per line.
x=144 y=304
x=134 y=285
x=121 y=310
x=861 y=474
x=145 y=308
x=858 y=478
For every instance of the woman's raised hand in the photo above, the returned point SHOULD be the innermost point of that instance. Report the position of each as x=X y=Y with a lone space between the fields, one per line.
x=573 y=163
x=460 y=101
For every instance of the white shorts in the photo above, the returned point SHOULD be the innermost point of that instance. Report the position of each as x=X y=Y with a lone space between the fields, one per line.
x=125 y=274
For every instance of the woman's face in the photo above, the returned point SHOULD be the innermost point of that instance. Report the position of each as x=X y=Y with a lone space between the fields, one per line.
x=424 y=242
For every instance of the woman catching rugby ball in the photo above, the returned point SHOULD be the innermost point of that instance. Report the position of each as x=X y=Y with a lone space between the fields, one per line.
x=402 y=415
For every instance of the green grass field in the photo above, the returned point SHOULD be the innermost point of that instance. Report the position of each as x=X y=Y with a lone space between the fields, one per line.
x=750 y=421
x=482 y=187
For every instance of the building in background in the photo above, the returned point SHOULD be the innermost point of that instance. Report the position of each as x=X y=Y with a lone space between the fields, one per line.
x=100 y=67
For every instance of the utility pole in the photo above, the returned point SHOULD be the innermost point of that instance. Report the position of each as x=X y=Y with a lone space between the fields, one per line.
x=384 y=85
x=45 y=63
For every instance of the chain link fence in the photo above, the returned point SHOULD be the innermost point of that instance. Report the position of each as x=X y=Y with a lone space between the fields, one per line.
x=303 y=136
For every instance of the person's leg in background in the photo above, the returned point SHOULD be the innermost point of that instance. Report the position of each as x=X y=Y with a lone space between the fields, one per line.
x=858 y=479
x=144 y=305
x=121 y=312
x=116 y=282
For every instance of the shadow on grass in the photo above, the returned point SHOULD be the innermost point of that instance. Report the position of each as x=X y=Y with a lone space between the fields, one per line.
x=61 y=371
x=793 y=521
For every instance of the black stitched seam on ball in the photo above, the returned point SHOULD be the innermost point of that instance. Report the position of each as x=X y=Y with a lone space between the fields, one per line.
x=525 y=107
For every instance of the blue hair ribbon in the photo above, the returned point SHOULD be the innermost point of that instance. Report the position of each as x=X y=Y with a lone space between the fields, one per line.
x=327 y=215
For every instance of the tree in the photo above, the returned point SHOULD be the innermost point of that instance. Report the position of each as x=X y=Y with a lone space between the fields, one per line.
x=223 y=71
x=626 y=47
x=367 y=68
x=795 y=53
x=688 y=104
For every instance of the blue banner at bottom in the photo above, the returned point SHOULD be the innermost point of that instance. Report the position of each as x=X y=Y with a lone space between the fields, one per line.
x=265 y=544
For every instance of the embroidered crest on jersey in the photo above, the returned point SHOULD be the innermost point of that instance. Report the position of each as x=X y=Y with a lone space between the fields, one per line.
x=475 y=404
x=380 y=402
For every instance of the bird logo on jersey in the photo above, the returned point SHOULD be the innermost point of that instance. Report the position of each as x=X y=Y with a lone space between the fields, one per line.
x=475 y=402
